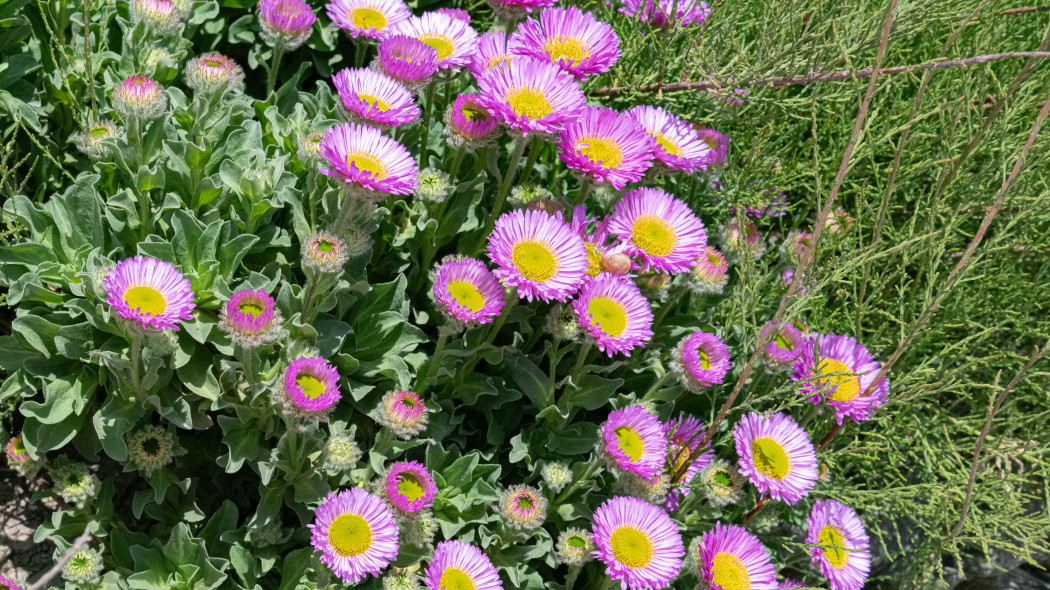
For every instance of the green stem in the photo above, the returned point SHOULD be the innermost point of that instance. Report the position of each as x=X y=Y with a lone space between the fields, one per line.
x=504 y=188
x=534 y=152
x=656 y=386
x=345 y=205
x=311 y=190
x=672 y=300
x=249 y=374
x=136 y=357
x=494 y=330
x=435 y=360
x=454 y=171
x=570 y=578
x=308 y=300
x=553 y=371
x=810 y=414
x=585 y=187
x=578 y=369
x=591 y=469
x=426 y=127
x=271 y=78
x=360 y=48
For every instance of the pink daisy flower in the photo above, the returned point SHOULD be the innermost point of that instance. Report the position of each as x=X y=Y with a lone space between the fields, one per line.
x=661 y=13
x=840 y=545
x=634 y=441
x=367 y=160
x=468 y=124
x=407 y=60
x=494 y=49
x=356 y=533
x=719 y=148
x=776 y=455
x=286 y=21
x=606 y=146
x=638 y=543
x=572 y=39
x=149 y=292
x=531 y=96
x=615 y=313
x=843 y=376
x=702 y=360
x=785 y=344
x=372 y=98
x=457 y=565
x=515 y=9
x=466 y=291
x=678 y=146
x=453 y=39
x=456 y=14
x=409 y=486
x=538 y=253
x=251 y=319
x=660 y=229
x=731 y=558
x=371 y=19
x=139 y=97
x=311 y=387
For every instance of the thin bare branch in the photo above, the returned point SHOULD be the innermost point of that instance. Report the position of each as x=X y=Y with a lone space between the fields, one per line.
x=1025 y=9
x=984 y=434
x=813 y=77
x=78 y=544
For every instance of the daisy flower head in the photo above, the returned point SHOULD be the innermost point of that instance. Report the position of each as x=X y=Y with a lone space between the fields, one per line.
x=152 y=448
x=8 y=584
x=841 y=372
x=606 y=146
x=84 y=567
x=556 y=475
x=722 y=483
x=214 y=73
x=789 y=583
x=839 y=545
x=407 y=60
x=372 y=164
x=574 y=547
x=455 y=13
x=468 y=125
x=466 y=291
x=371 y=19
x=538 y=253
x=310 y=388
x=615 y=313
x=785 y=344
x=16 y=451
x=356 y=533
x=718 y=143
x=159 y=16
x=701 y=360
x=661 y=230
x=89 y=141
x=139 y=97
x=454 y=40
x=741 y=237
x=73 y=482
x=678 y=147
x=372 y=98
x=286 y=22
x=457 y=565
x=776 y=455
x=324 y=252
x=522 y=507
x=495 y=49
x=633 y=440
x=530 y=96
x=638 y=543
x=684 y=435
x=572 y=39
x=516 y=9
x=730 y=558
x=150 y=293
x=409 y=486
x=663 y=13
x=251 y=319
x=709 y=274
x=434 y=185
x=403 y=413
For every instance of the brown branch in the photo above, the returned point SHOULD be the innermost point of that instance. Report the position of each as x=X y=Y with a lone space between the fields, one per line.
x=41 y=583
x=807 y=79
x=1025 y=9
x=956 y=272
x=984 y=434
x=808 y=256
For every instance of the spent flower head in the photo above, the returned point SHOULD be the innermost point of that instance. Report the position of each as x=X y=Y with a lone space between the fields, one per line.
x=152 y=448
x=73 y=482
x=84 y=567
x=90 y=140
x=341 y=453
x=556 y=475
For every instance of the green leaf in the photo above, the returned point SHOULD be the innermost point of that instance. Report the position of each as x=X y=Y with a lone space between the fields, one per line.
x=594 y=392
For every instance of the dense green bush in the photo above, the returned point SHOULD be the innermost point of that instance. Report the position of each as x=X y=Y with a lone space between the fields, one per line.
x=949 y=476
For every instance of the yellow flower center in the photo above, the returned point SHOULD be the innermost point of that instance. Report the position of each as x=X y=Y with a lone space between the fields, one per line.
x=713 y=259
x=365 y=17
x=594 y=259
x=679 y=454
x=577 y=542
x=250 y=308
x=374 y=102
x=409 y=486
x=770 y=458
x=834 y=545
x=454 y=578
x=145 y=299
x=631 y=546
x=473 y=113
x=524 y=501
x=467 y=295
x=367 y=163
x=630 y=442
x=564 y=47
x=654 y=235
x=608 y=315
x=667 y=145
x=847 y=387
x=705 y=361
x=529 y=102
x=535 y=260
x=498 y=60
x=729 y=572
x=442 y=44
x=350 y=535
x=601 y=150
x=311 y=386
x=782 y=342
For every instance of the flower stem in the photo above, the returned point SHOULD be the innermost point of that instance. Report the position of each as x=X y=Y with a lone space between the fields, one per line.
x=672 y=300
x=345 y=205
x=426 y=127
x=554 y=367
x=504 y=188
x=271 y=78
x=534 y=152
x=591 y=469
x=308 y=299
x=136 y=357
x=249 y=374
x=454 y=171
x=578 y=370
x=585 y=187
x=494 y=330
x=656 y=386
x=754 y=511
x=435 y=360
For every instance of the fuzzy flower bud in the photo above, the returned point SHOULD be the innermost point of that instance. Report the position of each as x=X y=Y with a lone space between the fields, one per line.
x=403 y=413
x=89 y=141
x=285 y=22
x=162 y=17
x=556 y=476
x=574 y=547
x=73 y=482
x=139 y=97
x=251 y=319
x=214 y=73
x=522 y=195
x=522 y=507
x=152 y=448
x=434 y=185
x=324 y=252
x=341 y=453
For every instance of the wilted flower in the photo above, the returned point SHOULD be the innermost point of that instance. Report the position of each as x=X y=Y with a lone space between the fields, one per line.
x=522 y=507
x=309 y=151
x=73 y=482
x=139 y=97
x=287 y=23
x=419 y=529
x=214 y=73
x=561 y=323
x=400 y=580
x=523 y=194
x=152 y=448
x=743 y=238
x=89 y=141
x=84 y=567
